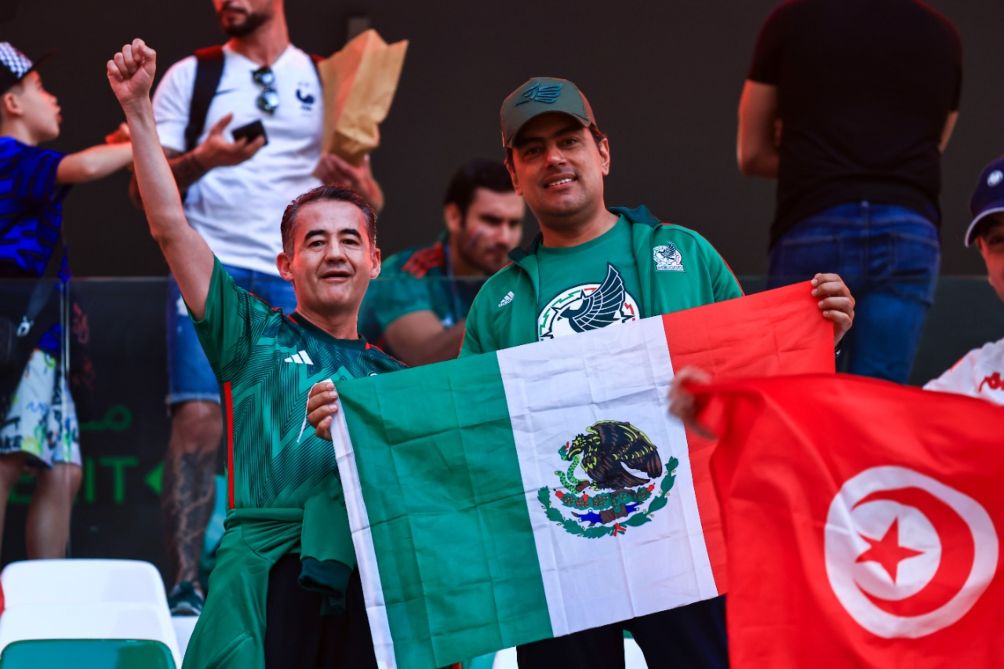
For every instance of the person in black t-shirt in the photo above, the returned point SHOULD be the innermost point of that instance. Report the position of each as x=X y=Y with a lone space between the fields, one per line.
x=849 y=104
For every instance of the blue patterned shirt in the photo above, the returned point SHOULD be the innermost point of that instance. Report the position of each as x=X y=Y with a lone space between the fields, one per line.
x=31 y=208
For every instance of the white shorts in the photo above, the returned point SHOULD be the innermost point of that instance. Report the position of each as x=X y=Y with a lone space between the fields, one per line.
x=42 y=419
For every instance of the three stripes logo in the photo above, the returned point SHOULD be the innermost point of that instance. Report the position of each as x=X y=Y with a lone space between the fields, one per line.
x=300 y=358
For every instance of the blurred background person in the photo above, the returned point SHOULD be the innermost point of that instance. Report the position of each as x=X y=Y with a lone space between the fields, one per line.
x=39 y=432
x=416 y=310
x=848 y=105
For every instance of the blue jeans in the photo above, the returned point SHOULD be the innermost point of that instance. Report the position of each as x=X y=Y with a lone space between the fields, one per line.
x=889 y=256
x=189 y=376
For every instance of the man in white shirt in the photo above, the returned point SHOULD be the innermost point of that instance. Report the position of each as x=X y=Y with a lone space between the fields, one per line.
x=980 y=373
x=234 y=191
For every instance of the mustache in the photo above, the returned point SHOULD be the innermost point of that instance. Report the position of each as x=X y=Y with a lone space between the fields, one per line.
x=233 y=7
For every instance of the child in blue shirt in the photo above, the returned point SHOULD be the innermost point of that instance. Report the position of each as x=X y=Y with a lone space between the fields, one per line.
x=39 y=427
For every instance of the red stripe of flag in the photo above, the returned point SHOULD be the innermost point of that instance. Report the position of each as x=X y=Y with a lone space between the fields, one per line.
x=228 y=409
x=775 y=332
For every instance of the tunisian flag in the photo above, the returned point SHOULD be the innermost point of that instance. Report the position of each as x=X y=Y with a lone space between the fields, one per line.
x=862 y=521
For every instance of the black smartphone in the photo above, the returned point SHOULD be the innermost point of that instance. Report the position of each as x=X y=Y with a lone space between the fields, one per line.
x=250 y=132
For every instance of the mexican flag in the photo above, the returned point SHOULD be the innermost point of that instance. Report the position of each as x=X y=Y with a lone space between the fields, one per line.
x=505 y=498
x=866 y=522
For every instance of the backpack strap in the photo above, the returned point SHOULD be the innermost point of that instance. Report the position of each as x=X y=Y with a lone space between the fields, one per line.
x=315 y=60
x=208 y=72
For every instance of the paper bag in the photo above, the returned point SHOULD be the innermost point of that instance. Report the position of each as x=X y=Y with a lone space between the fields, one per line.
x=359 y=85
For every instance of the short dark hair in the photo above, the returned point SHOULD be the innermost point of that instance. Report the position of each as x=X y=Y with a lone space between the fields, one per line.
x=325 y=193
x=473 y=175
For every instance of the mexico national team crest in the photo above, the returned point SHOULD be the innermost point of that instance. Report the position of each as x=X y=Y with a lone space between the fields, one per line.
x=667 y=258
x=588 y=306
x=624 y=481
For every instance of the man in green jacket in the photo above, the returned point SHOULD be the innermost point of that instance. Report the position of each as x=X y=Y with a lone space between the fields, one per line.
x=592 y=267
x=284 y=592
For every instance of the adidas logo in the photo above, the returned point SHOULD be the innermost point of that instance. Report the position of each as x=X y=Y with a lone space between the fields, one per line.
x=300 y=358
x=507 y=299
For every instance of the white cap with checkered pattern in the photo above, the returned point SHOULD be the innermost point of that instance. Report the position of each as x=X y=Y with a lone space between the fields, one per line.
x=13 y=60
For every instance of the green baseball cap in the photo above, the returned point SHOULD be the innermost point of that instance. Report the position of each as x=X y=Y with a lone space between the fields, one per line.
x=541 y=95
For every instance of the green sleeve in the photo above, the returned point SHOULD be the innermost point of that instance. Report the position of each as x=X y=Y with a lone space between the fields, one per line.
x=327 y=556
x=472 y=345
x=326 y=534
x=225 y=330
x=724 y=283
x=472 y=339
x=391 y=298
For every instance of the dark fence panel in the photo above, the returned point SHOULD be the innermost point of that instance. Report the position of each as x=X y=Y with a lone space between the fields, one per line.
x=121 y=384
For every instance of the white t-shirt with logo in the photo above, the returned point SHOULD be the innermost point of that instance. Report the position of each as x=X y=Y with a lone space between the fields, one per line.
x=980 y=373
x=237 y=209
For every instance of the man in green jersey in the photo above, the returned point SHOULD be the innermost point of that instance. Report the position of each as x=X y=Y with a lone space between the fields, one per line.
x=592 y=267
x=284 y=592
x=416 y=310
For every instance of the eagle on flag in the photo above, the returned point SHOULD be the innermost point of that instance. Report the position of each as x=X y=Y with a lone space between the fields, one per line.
x=611 y=447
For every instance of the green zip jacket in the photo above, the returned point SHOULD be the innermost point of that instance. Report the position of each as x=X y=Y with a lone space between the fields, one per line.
x=504 y=313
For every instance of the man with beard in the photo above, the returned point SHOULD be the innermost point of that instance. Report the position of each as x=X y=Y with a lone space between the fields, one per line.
x=234 y=192
x=417 y=309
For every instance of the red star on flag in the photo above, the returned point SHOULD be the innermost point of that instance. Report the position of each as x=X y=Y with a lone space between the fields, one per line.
x=887 y=551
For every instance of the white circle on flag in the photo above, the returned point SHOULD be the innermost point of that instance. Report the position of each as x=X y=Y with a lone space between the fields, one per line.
x=882 y=554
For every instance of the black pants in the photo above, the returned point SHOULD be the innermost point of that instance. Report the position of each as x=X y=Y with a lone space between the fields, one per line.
x=297 y=635
x=690 y=637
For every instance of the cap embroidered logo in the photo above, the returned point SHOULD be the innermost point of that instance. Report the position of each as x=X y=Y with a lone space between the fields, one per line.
x=547 y=95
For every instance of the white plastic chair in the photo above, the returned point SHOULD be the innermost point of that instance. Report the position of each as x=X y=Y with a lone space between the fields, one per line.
x=82 y=582
x=184 y=626
x=89 y=621
x=633 y=657
x=85 y=599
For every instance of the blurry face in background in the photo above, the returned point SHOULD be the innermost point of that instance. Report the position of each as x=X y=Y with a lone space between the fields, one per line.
x=239 y=18
x=991 y=246
x=36 y=107
x=483 y=237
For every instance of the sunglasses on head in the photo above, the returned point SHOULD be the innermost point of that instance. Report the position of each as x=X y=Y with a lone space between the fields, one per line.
x=268 y=99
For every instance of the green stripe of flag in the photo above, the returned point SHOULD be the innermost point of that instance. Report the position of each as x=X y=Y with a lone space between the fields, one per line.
x=396 y=424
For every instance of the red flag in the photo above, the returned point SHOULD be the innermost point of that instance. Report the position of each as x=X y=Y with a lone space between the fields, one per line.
x=778 y=331
x=862 y=521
